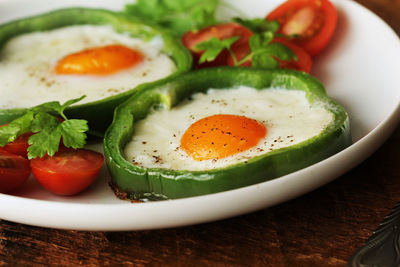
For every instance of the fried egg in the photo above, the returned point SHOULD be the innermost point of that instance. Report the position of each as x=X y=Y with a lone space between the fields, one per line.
x=69 y=62
x=224 y=127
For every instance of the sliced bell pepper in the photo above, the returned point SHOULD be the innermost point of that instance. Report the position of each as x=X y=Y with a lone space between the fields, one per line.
x=98 y=113
x=139 y=182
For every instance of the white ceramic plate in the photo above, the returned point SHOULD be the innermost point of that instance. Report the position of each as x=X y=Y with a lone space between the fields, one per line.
x=359 y=69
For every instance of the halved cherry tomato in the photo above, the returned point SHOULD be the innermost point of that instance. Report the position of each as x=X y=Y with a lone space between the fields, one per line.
x=14 y=171
x=221 y=31
x=313 y=21
x=69 y=171
x=19 y=146
x=303 y=62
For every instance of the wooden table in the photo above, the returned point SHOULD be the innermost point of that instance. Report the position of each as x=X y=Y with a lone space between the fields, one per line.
x=322 y=228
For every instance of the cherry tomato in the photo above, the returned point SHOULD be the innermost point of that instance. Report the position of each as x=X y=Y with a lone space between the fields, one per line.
x=240 y=51
x=69 y=171
x=312 y=22
x=221 y=31
x=14 y=171
x=19 y=146
x=303 y=62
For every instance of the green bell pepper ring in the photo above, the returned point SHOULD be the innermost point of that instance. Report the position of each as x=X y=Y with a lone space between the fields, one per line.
x=98 y=113
x=139 y=182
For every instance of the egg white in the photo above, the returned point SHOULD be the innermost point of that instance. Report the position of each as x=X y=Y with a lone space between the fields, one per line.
x=27 y=62
x=287 y=114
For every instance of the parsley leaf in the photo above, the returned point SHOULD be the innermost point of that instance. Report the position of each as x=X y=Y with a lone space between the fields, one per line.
x=48 y=129
x=214 y=46
x=263 y=52
x=47 y=136
x=178 y=15
x=73 y=133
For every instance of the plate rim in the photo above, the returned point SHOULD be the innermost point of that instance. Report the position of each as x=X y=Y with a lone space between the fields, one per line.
x=376 y=136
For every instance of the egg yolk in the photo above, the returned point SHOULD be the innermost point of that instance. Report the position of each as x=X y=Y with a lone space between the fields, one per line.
x=220 y=136
x=99 y=61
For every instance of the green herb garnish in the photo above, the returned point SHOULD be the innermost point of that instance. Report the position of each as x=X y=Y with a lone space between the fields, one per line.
x=263 y=52
x=214 y=46
x=178 y=15
x=47 y=128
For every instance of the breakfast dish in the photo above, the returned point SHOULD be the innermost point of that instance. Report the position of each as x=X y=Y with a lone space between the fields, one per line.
x=73 y=52
x=371 y=98
x=252 y=126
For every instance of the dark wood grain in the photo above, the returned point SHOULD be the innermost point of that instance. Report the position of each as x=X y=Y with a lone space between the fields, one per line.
x=322 y=228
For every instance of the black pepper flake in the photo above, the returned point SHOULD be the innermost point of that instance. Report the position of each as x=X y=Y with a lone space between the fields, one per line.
x=144 y=142
x=157 y=159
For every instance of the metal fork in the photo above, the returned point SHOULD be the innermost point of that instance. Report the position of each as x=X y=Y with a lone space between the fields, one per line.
x=383 y=247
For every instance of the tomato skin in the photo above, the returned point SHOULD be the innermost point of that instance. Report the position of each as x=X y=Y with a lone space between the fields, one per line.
x=315 y=37
x=240 y=51
x=19 y=146
x=14 y=171
x=69 y=171
x=303 y=62
x=221 y=31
